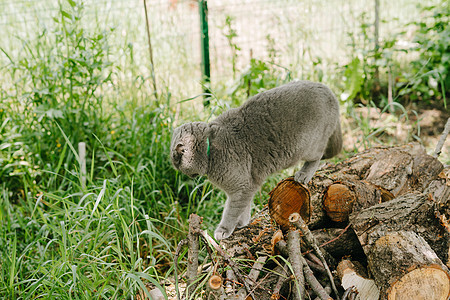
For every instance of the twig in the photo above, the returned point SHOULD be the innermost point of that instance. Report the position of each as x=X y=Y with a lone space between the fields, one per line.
x=282 y=247
x=293 y=245
x=315 y=266
x=314 y=258
x=336 y=238
x=298 y=222
x=350 y=293
x=442 y=139
x=353 y=295
x=313 y=282
x=282 y=278
x=225 y=256
x=230 y=282
x=177 y=253
x=347 y=293
x=193 y=250
x=256 y=269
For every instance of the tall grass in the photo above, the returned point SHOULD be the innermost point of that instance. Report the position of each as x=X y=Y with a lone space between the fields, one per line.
x=115 y=236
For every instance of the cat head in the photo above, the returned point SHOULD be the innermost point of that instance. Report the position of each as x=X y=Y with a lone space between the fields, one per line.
x=188 y=149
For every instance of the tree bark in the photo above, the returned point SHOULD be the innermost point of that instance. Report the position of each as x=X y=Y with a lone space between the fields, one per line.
x=193 y=250
x=405 y=267
x=414 y=212
x=379 y=192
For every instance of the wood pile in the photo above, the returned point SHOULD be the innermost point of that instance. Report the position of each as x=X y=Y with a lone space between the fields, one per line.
x=375 y=226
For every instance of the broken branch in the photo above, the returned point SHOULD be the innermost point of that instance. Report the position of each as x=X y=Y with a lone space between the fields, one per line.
x=298 y=222
x=442 y=139
x=293 y=244
x=193 y=250
x=225 y=256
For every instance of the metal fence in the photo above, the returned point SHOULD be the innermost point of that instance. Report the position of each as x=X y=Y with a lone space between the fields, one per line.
x=297 y=31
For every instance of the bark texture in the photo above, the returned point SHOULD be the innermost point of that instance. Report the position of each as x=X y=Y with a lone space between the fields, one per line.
x=385 y=209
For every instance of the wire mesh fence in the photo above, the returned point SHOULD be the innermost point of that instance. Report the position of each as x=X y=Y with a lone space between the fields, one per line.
x=297 y=32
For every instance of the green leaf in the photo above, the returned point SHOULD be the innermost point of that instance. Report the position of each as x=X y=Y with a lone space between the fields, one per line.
x=66 y=14
x=72 y=3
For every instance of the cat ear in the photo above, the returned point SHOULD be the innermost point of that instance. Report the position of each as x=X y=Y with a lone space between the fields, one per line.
x=180 y=149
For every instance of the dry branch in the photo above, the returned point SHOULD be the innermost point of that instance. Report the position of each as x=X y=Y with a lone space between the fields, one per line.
x=293 y=245
x=256 y=270
x=442 y=139
x=313 y=282
x=298 y=222
x=225 y=256
x=177 y=253
x=282 y=279
x=378 y=192
x=215 y=287
x=193 y=250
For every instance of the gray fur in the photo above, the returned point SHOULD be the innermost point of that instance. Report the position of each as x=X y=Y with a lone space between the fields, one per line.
x=270 y=132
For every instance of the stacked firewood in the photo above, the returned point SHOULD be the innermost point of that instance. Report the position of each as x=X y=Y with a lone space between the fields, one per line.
x=375 y=226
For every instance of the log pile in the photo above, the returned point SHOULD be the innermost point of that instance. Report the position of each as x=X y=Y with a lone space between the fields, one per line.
x=375 y=226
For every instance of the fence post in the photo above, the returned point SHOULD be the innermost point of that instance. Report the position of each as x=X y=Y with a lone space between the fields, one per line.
x=204 y=37
x=82 y=156
x=376 y=88
x=150 y=50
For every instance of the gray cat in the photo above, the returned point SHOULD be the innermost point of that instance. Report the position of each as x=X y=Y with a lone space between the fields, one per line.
x=270 y=132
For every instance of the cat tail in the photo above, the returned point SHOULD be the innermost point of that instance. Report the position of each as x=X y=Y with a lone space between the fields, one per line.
x=334 y=145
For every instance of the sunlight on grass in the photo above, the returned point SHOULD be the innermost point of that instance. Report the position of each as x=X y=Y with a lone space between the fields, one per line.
x=71 y=77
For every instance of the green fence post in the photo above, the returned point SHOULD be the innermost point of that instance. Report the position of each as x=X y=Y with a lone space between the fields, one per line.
x=204 y=37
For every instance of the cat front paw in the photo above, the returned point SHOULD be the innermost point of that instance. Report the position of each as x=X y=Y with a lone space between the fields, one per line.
x=222 y=233
x=243 y=221
x=302 y=177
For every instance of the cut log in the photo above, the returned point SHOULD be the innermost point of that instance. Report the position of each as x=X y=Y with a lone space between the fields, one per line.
x=353 y=274
x=343 y=197
x=286 y=198
x=405 y=267
x=414 y=212
x=338 y=202
x=372 y=178
x=439 y=188
x=215 y=290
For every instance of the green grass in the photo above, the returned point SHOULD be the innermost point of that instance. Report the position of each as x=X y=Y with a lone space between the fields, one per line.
x=116 y=235
x=67 y=83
